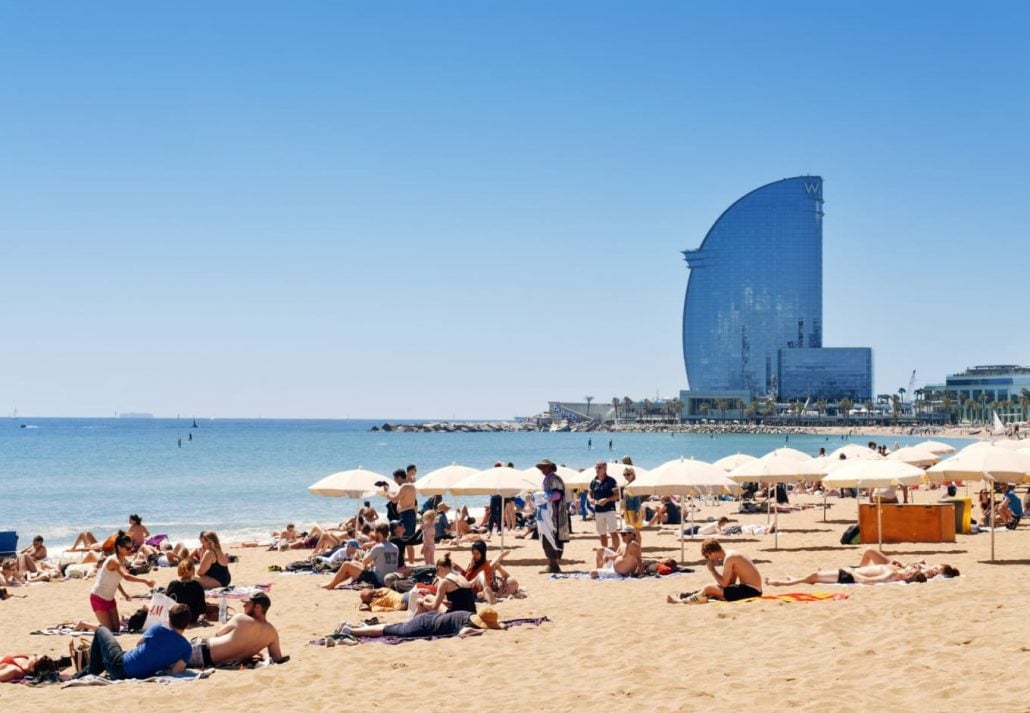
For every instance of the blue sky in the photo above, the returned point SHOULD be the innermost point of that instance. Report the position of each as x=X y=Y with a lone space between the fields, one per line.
x=437 y=209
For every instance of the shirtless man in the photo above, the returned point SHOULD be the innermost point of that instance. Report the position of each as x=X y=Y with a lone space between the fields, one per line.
x=624 y=562
x=739 y=578
x=406 y=501
x=240 y=638
x=869 y=574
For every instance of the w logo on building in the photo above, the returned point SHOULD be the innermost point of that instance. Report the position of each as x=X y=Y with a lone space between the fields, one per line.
x=814 y=189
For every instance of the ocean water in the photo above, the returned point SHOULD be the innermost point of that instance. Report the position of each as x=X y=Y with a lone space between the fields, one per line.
x=244 y=478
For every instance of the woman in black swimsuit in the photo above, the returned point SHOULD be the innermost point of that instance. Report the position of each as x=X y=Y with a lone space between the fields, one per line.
x=453 y=591
x=213 y=571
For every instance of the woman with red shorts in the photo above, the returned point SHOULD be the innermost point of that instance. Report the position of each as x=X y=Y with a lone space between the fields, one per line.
x=109 y=581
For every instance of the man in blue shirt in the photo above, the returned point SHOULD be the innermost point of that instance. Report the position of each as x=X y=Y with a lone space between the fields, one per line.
x=1014 y=505
x=161 y=649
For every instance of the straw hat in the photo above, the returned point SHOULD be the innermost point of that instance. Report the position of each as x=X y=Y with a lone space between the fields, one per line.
x=486 y=618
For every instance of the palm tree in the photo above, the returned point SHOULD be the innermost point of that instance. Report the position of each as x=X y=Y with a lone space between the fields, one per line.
x=722 y=405
x=677 y=408
x=844 y=407
x=627 y=405
x=820 y=406
x=705 y=408
x=1024 y=401
x=970 y=407
x=588 y=400
x=752 y=411
x=946 y=404
x=983 y=406
x=896 y=406
x=615 y=407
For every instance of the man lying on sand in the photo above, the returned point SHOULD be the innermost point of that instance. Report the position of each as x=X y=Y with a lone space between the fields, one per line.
x=624 y=562
x=739 y=578
x=241 y=638
x=460 y=623
x=874 y=568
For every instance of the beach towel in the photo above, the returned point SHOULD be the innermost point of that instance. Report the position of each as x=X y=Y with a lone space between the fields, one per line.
x=156 y=540
x=239 y=591
x=165 y=679
x=586 y=575
x=802 y=597
x=508 y=623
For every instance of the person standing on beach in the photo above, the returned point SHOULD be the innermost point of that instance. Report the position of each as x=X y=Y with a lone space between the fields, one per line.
x=604 y=493
x=407 y=505
x=109 y=581
x=631 y=504
x=552 y=515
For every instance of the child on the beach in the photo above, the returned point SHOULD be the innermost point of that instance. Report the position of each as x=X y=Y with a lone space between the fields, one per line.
x=429 y=537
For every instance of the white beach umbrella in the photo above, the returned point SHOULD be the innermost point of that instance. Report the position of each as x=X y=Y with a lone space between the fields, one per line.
x=937 y=447
x=874 y=474
x=503 y=481
x=914 y=455
x=790 y=453
x=439 y=481
x=685 y=476
x=853 y=451
x=573 y=478
x=983 y=462
x=736 y=460
x=777 y=468
x=357 y=483
x=1010 y=444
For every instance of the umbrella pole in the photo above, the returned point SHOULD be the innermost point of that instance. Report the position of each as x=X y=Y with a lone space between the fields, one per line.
x=682 y=545
x=991 y=520
x=879 y=521
x=502 y=523
x=691 y=515
x=824 y=504
x=776 y=524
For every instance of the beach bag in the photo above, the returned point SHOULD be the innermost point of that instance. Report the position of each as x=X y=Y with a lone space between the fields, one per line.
x=851 y=536
x=137 y=620
x=78 y=649
x=157 y=612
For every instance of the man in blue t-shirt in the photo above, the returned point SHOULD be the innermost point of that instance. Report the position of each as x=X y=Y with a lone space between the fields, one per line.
x=1014 y=505
x=160 y=649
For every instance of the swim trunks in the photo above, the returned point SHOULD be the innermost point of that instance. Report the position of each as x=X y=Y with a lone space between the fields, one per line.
x=736 y=592
x=845 y=577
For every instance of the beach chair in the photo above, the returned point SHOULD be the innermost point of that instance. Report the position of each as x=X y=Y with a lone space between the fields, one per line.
x=8 y=543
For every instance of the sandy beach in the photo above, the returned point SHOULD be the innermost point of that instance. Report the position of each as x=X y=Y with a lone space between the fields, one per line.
x=950 y=644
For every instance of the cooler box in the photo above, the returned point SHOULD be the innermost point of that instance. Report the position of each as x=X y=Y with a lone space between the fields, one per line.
x=8 y=543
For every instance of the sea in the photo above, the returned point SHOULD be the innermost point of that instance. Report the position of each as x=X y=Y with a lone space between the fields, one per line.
x=245 y=478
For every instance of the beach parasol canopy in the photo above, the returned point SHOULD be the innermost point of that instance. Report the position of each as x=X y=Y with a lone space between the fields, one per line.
x=572 y=478
x=507 y=482
x=790 y=453
x=440 y=480
x=683 y=477
x=1010 y=444
x=355 y=483
x=914 y=455
x=778 y=468
x=736 y=460
x=854 y=451
x=983 y=462
x=936 y=447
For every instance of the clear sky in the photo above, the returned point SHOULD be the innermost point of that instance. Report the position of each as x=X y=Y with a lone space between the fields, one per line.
x=464 y=209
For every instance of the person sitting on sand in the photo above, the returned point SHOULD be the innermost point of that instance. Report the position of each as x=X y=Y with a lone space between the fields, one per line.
x=241 y=638
x=738 y=580
x=19 y=666
x=668 y=513
x=213 y=570
x=109 y=580
x=627 y=561
x=187 y=590
x=453 y=623
x=37 y=550
x=380 y=561
x=442 y=524
x=367 y=515
x=489 y=579
x=137 y=532
x=453 y=591
x=162 y=648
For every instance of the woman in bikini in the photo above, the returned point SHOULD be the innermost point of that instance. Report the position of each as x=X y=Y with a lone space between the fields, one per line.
x=19 y=666
x=109 y=581
x=453 y=591
x=489 y=580
x=213 y=571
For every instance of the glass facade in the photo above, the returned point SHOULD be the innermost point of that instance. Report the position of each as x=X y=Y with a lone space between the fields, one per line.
x=755 y=288
x=830 y=374
x=989 y=384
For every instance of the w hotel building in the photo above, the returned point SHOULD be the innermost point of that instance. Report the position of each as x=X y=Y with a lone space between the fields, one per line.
x=753 y=313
